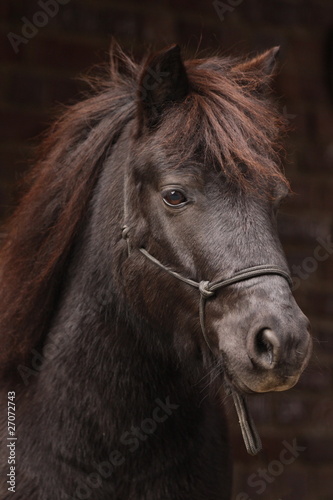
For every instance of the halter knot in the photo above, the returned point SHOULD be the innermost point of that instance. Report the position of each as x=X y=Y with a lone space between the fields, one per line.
x=124 y=232
x=204 y=289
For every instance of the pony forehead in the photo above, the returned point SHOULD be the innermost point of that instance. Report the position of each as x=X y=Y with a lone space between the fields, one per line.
x=224 y=123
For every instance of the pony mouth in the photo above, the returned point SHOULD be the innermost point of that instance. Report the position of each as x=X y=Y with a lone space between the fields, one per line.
x=259 y=385
x=262 y=387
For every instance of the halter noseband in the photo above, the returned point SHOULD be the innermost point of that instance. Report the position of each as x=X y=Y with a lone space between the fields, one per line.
x=207 y=290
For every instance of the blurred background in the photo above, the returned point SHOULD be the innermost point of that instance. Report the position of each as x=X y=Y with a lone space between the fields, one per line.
x=47 y=45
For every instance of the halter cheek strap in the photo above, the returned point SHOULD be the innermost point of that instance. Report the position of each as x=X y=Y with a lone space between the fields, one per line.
x=207 y=290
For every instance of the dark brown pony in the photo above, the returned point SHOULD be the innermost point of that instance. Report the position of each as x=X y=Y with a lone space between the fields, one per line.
x=115 y=379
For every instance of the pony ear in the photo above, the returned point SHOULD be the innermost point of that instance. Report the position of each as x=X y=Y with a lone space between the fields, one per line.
x=163 y=83
x=264 y=63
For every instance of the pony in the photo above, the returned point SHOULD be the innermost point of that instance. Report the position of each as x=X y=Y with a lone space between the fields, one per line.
x=142 y=279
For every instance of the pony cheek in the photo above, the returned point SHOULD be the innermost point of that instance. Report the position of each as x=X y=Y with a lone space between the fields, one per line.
x=158 y=300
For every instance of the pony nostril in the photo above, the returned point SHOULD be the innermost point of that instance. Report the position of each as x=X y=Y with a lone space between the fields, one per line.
x=266 y=349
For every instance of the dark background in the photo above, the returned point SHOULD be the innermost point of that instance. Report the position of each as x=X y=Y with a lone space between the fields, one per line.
x=44 y=72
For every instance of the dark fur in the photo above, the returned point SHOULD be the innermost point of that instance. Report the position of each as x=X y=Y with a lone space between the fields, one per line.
x=73 y=303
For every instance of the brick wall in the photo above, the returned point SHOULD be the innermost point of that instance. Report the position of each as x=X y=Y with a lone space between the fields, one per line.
x=44 y=72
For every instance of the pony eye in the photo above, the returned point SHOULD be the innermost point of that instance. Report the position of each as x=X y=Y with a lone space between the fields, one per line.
x=174 y=198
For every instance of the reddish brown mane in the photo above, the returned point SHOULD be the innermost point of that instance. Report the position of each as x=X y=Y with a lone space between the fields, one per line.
x=224 y=116
x=44 y=226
